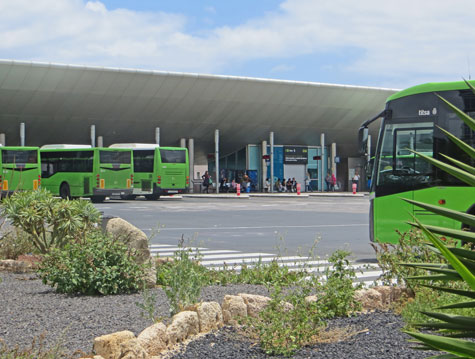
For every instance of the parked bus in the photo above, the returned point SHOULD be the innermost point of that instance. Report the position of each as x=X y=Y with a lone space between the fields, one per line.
x=410 y=121
x=82 y=171
x=19 y=169
x=158 y=170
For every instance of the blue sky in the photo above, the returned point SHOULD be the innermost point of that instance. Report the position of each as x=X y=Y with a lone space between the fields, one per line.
x=365 y=42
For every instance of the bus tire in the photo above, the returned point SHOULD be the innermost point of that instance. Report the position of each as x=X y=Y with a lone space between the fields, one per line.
x=98 y=199
x=152 y=197
x=64 y=191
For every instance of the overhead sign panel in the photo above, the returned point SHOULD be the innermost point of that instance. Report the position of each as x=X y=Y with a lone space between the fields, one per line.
x=295 y=155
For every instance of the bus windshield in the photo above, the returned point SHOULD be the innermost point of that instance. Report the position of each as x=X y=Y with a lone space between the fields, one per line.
x=114 y=157
x=396 y=163
x=173 y=156
x=19 y=156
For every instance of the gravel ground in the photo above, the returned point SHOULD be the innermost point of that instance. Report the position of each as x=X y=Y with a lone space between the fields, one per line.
x=28 y=309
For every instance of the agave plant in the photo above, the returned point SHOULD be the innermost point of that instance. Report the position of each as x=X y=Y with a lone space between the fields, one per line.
x=461 y=261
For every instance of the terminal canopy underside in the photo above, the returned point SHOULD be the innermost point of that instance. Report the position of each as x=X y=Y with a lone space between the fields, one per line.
x=59 y=103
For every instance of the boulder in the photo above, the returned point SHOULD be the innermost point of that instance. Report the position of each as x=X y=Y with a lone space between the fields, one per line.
x=137 y=241
x=255 y=303
x=369 y=298
x=130 y=235
x=132 y=349
x=16 y=266
x=233 y=308
x=210 y=316
x=108 y=346
x=184 y=325
x=154 y=339
x=386 y=294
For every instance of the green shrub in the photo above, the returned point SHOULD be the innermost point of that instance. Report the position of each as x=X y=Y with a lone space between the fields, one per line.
x=48 y=221
x=409 y=249
x=338 y=290
x=36 y=350
x=282 y=329
x=98 y=265
x=184 y=279
x=14 y=243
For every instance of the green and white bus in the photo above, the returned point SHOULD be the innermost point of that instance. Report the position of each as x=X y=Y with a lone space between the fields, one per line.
x=158 y=170
x=410 y=121
x=83 y=171
x=19 y=169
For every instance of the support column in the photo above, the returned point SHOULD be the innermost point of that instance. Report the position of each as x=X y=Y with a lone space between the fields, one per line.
x=100 y=141
x=93 y=135
x=216 y=158
x=264 y=165
x=368 y=149
x=323 y=162
x=2 y=139
x=271 y=143
x=157 y=135
x=333 y=158
x=183 y=142
x=22 y=134
x=191 y=160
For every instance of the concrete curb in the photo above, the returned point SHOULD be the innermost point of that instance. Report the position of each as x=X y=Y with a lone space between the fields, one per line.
x=219 y=196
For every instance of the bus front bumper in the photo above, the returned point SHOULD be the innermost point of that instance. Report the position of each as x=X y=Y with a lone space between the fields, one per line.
x=111 y=192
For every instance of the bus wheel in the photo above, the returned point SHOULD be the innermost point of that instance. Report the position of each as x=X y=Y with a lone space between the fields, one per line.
x=64 y=191
x=152 y=197
x=98 y=199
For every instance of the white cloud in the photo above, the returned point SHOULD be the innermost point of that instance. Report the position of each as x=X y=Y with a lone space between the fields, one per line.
x=282 y=68
x=397 y=43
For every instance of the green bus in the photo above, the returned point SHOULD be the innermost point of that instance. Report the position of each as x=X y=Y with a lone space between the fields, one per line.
x=19 y=169
x=411 y=120
x=158 y=170
x=72 y=171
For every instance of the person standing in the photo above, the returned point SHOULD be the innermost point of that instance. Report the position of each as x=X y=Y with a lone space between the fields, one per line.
x=333 y=182
x=328 y=181
x=266 y=185
x=356 y=179
x=307 y=183
x=206 y=177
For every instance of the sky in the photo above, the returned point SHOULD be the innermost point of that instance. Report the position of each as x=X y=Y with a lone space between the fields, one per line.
x=366 y=42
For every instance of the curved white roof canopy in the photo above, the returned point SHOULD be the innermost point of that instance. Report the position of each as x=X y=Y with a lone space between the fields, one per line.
x=59 y=103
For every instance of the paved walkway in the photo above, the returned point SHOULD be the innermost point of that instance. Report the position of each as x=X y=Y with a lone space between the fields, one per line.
x=269 y=195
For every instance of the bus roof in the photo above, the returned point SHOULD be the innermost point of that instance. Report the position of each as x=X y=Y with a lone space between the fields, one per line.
x=431 y=87
x=19 y=148
x=144 y=146
x=64 y=146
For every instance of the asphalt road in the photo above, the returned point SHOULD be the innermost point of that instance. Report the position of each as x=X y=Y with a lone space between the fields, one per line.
x=286 y=226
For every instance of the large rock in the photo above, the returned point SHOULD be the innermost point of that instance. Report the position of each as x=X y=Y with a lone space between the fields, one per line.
x=369 y=298
x=154 y=339
x=210 y=316
x=132 y=349
x=137 y=241
x=233 y=308
x=108 y=346
x=254 y=303
x=184 y=325
x=386 y=294
x=130 y=235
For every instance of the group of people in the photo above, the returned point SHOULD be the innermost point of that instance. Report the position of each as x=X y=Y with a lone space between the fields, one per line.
x=286 y=186
x=330 y=181
x=225 y=185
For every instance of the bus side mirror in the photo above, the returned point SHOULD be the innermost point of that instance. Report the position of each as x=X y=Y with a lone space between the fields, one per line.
x=363 y=140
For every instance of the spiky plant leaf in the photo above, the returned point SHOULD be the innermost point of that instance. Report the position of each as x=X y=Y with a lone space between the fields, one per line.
x=459 y=347
x=462 y=115
x=447 y=232
x=459 y=143
x=466 y=218
x=454 y=171
x=458 y=305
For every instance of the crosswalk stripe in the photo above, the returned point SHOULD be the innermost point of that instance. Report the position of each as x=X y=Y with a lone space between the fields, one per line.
x=365 y=273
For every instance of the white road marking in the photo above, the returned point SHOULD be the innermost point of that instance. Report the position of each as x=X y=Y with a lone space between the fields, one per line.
x=258 y=227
